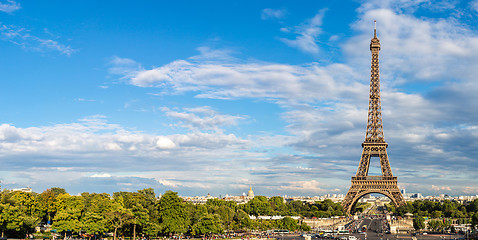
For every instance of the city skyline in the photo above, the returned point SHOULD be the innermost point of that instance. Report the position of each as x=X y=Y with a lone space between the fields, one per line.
x=215 y=97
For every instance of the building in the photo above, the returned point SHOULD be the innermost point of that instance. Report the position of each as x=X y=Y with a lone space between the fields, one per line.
x=27 y=189
x=250 y=193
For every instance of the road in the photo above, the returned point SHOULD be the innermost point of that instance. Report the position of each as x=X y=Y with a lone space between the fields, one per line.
x=376 y=229
x=384 y=237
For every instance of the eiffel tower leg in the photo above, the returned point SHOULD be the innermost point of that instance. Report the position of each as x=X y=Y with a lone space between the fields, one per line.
x=372 y=184
x=348 y=202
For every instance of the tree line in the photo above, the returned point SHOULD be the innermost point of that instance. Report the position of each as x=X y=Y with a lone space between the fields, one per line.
x=440 y=214
x=432 y=209
x=142 y=213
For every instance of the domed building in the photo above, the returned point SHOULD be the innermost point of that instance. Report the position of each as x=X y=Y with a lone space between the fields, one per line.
x=250 y=193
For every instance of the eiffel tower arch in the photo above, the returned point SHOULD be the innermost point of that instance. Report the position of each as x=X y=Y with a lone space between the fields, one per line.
x=373 y=146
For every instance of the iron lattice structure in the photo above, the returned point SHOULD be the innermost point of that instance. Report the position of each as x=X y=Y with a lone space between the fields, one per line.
x=373 y=146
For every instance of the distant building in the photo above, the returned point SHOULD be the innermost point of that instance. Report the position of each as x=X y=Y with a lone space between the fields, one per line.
x=412 y=196
x=250 y=193
x=238 y=199
x=27 y=189
x=417 y=195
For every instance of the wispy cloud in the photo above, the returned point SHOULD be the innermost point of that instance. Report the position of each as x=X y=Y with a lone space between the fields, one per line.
x=22 y=37
x=204 y=118
x=407 y=6
x=474 y=5
x=9 y=6
x=84 y=100
x=273 y=14
x=54 y=45
x=307 y=39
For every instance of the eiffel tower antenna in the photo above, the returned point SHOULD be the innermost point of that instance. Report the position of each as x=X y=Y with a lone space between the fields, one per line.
x=375 y=29
x=373 y=146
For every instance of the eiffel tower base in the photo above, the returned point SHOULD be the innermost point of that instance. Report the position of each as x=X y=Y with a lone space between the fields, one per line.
x=372 y=184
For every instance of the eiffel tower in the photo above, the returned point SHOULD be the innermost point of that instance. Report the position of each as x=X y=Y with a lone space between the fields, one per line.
x=373 y=146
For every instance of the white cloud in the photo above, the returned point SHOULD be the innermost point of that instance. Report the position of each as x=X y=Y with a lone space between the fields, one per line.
x=9 y=6
x=92 y=144
x=311 y=186
x=83 y=149
x=438 y=188
x=471 y=190
x=307 y=34
x=94 y=135
x=417 y=48
x=232 y=79
x=112 y=146
x=165 y=143
x=169 y=183
x=273 y=14
x=101 y=175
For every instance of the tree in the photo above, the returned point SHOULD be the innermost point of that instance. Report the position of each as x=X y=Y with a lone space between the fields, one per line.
x=435 y=225
x=278 y=205
x=12 y=219
x=94 y=223
x=96 y=206
x=57 y=191
x=140 y=217
x=259 y=205
x=27 y=203
x=390 y=207
x=226 y=214
x=142 y=205
x=288 y=223
x=173 y=217
x=473 y=206
x=242 y=220
x=148 y=223
x=118 y=218
x=360 y=207
x=67 y=220
x=304 y=227
x=419 y=223
x=437 y=214
x=474 y=220
x=209 y=224
x=68 y=213
x=47 y=203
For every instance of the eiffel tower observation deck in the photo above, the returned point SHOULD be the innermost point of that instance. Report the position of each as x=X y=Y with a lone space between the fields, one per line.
x=373 y=146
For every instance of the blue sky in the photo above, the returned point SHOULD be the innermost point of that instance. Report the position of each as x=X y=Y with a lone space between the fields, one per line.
x=216 y=96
